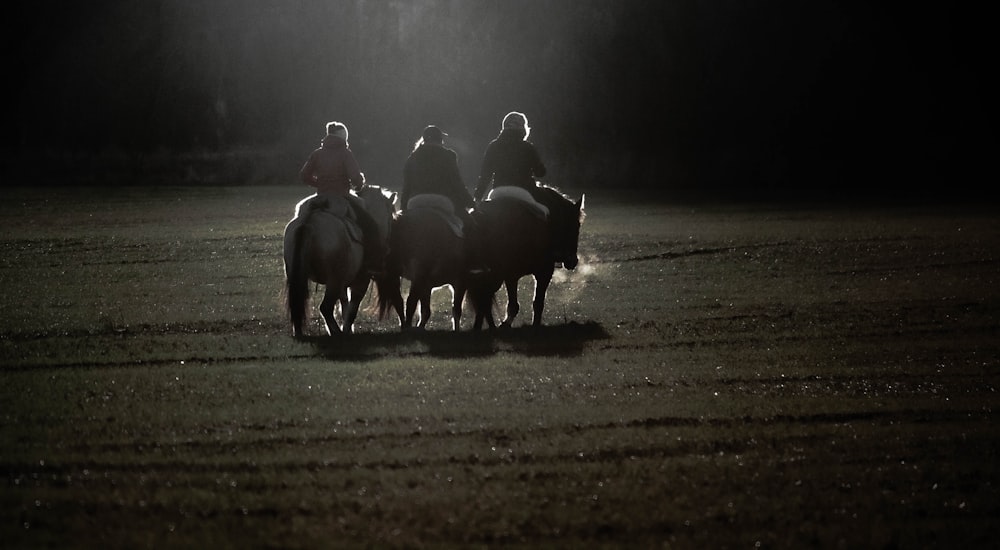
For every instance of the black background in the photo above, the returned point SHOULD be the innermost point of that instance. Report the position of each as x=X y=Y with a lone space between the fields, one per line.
x=723 y=99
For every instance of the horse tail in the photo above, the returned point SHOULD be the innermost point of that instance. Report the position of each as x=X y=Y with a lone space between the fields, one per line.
x=387 y=287
x=386 y=295
x=297 y=279
x=481 y=298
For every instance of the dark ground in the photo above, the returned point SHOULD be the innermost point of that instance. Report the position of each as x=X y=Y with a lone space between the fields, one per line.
x=710 y=377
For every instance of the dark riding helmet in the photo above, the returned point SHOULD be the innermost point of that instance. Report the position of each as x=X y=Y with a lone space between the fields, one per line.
x=433 y=134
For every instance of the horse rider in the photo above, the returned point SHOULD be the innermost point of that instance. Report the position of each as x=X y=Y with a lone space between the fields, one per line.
x=333 y=171
x=510 y=159
x=433 y=168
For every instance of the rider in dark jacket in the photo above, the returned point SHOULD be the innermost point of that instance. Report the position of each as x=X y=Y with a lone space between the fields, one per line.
x=433 y=168
x=510 y=159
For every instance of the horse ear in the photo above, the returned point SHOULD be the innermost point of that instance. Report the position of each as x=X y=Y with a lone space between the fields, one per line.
x=582 y=198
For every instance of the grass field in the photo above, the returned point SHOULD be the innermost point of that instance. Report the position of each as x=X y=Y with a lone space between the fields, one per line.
x=709 y=377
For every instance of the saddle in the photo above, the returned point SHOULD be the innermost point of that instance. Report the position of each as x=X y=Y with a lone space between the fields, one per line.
x=522 y=196
x=332 y=205
x=439 y=205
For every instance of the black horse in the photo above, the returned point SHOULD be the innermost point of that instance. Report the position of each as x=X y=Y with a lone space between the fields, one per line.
x=427 y=248
x=518 y=239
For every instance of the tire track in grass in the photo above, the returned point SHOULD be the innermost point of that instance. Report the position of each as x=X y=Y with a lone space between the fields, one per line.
x=145 y=454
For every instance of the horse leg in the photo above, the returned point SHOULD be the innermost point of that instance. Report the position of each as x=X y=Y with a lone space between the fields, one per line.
x=349 y=309
x=481 y=295
x=397 y=304
x=345 y=310
x=458 y=295
x=478 y=306
x=512 y=306
x=477 y=323
x=542 y=281
x=326 y=309
x=411 y=305
x=484 y=316
x=425 y=308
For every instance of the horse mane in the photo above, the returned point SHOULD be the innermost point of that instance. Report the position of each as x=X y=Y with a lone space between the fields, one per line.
x=376 y=189
x=562 y=199
x=303 y=202
x=386 y=193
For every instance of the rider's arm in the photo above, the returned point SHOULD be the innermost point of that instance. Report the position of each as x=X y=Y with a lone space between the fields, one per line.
x=459 y=192
x=307 y=173
x=485 y=176
x=537 y=168
x=354 y=172
x=407 y=192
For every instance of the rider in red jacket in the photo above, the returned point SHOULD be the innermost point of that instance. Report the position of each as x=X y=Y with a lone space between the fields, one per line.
x=333 y=171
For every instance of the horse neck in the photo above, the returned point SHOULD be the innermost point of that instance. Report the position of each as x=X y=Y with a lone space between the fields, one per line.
x=375 y=204
x=565 y=222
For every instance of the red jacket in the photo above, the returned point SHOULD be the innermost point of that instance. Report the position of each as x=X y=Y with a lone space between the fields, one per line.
x=332 y=169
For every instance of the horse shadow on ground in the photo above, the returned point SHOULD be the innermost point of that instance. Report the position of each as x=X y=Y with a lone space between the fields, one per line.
x=559 y=340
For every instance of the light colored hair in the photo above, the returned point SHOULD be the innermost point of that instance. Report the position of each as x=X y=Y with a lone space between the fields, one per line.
x=338 y=129
x=517 y=121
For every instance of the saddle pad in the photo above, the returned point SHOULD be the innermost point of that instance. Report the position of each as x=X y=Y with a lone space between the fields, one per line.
x=512 y=193
x=432 y=200
x=335 y=206
x=330 y=204
x=440 y=206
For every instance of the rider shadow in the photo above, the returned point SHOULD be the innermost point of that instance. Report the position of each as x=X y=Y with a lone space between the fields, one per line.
x=560 y=340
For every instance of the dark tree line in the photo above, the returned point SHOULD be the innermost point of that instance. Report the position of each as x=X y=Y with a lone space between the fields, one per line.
x=738 y=97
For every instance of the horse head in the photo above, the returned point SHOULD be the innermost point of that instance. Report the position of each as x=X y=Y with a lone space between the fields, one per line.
x=566 y=218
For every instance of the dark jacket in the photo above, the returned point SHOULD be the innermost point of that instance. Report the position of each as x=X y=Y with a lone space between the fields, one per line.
x=433 y=168
x=509 y=160
x=332 y=168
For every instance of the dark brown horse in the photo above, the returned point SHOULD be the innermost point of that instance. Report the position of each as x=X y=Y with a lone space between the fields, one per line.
x=427 y=249
x=518 y=240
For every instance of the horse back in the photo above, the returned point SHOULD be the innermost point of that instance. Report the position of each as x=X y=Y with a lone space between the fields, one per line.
x=329 y=252
x=424 y=246
x=515 y=240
